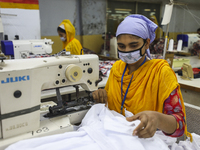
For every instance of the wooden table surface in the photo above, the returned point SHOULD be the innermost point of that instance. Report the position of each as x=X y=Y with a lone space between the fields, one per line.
x=193 y=84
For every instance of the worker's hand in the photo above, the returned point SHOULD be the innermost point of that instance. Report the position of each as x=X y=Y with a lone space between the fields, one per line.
x=100 y=96
x=148 y=126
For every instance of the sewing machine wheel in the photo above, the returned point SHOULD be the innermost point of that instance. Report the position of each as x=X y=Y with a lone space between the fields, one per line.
x=73 y=73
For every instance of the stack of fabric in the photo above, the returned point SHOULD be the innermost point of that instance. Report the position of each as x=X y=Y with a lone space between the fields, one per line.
x=105 y=66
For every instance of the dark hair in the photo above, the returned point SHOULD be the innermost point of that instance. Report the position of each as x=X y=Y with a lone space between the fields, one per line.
x=61 y=30
x=198 y=29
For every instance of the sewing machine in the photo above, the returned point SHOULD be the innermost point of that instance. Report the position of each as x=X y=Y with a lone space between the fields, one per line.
x=188 y=40
x=22 y=115
x=21 y=49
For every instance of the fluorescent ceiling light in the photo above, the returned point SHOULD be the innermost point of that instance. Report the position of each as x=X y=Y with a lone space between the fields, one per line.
x=120 y=9
x=116 y=15
x=122 y=12
x=147 y=9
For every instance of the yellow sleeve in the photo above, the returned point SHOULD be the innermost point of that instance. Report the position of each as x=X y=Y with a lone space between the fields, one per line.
x=107 y=83
x=167 y=83
x=74 y=47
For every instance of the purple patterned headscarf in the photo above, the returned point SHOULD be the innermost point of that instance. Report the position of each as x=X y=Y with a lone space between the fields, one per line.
x=138 y=25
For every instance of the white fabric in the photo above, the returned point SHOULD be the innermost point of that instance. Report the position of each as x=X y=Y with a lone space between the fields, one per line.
x=128 y=113
x=101 y=129
x=187 y=145
x=196 y=141
x=130 y=57
x=167 y=139
x=182 y=145
x=62 y=26
x=63 y=39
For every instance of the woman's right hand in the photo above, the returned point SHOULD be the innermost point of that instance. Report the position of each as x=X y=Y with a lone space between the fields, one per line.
x=100 y=96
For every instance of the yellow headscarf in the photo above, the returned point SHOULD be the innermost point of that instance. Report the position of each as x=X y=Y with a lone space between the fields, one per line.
x=71 y=44
x=159 y=31
x=151 y=85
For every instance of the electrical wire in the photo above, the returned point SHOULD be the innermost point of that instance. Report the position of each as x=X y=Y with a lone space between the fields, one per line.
x=191 y=14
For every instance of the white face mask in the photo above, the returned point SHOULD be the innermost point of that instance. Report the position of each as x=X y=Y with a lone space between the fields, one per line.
x=132 y=56
x=63 y=39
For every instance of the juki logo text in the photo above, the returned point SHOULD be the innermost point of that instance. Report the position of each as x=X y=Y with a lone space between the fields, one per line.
x=15 y=79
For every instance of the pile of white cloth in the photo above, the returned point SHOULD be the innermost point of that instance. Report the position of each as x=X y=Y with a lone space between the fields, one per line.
x=181 y=145
x=101 y=129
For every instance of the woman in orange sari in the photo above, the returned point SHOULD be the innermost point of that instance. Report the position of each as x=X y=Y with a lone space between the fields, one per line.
x=147 y=88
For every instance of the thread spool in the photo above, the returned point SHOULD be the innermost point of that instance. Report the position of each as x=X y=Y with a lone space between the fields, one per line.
x=180 y=43
x=171 y=45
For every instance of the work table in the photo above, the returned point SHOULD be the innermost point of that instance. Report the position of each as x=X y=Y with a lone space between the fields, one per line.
x=190 y=90
x=193 y=84
x=194 y=62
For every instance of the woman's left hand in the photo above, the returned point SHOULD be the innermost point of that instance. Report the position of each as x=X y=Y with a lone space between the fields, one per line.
x=148 y=126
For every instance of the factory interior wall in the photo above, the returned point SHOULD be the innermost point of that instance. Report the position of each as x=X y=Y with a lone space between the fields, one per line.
x=88 y=32
x=15 y=20
x=92 y=14
x=93 y=42
x=182 y=20
x=53 y=12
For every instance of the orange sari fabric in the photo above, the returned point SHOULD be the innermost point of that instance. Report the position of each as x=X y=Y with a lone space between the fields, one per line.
x=151 y=85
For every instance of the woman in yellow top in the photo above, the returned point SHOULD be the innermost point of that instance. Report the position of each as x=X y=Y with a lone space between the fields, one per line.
x=66 y=31
x=147 y=88
x=159 y=31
